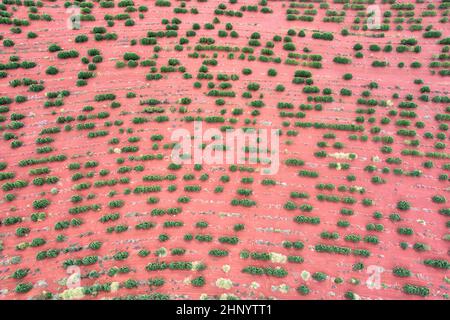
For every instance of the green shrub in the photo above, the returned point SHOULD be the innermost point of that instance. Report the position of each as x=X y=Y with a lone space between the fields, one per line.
x=350 y=295
x=272 y=72
x=81 y=38
x=20 y=273
x=8 y=43
x=130 y=56
x=218 y=253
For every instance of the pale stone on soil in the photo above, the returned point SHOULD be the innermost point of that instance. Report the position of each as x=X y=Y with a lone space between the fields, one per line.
x=226 y=268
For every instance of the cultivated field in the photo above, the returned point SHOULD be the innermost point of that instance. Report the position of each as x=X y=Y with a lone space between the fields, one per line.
x=93 y=206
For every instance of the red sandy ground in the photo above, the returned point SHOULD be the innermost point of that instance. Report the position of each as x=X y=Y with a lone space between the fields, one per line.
x=207 y=205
